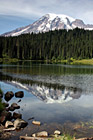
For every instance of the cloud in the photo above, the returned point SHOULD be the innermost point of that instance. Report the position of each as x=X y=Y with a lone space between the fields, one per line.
x=87 y=16
x=82 y=9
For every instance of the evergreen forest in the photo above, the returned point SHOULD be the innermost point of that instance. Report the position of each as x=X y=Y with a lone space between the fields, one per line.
x=58 y=44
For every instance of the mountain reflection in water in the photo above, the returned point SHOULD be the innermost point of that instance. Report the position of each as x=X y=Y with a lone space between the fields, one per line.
x=49 y=94
x=50 y=83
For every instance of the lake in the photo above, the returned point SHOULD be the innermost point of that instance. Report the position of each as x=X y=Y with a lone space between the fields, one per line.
x=59 y=96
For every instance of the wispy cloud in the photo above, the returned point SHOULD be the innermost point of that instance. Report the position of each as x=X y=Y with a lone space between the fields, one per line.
x=82 y=9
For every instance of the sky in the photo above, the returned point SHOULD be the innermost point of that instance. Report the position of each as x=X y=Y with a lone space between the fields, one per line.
x=19 y=13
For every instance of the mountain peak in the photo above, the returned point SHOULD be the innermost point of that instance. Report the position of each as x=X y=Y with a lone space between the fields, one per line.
x=52 y=16
x=49 y=22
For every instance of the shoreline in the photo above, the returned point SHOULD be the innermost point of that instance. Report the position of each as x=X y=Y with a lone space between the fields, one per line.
x=69 y=61
x=78 y=130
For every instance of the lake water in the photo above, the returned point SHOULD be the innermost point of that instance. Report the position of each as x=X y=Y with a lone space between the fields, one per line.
x=54 y=93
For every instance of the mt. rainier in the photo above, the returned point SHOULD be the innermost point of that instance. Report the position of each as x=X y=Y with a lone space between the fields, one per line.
x=50 y=22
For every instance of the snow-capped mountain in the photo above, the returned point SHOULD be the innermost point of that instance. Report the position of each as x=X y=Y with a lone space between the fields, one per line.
x=50 y=22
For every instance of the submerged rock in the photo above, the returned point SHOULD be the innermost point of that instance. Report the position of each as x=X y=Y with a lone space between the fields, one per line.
x=19 y=94
x=19 y=123
x=36 y=122
x=31 y=118
x=5 y=135
x=17 y=115
x=19 y=100
x=40 y=134
x=8 y=95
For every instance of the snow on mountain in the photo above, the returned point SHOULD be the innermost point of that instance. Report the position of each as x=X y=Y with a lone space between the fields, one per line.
x=50 y=22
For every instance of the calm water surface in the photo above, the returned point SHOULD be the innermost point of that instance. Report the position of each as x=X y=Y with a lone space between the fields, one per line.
x=54 y=93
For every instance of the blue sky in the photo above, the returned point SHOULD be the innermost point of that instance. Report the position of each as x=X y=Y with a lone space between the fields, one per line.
x=19 y=13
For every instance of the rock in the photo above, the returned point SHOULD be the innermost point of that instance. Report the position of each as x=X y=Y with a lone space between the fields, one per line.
x=19 y=123
x=15 y=106
x=8 y=95
x=6 y=104
x=2 y=119
x=33 y=135
x=5 y=135
x=9 y=129
x=57 y=132
x=5 y=116
x=7 y=109
x=77 y=126
x=11 y=108
x=41 y=134
x=19 y=101
x=17 y=115
x=34 y=138
x=31 y=118
x=36 y=122
x=9 y=124
x=19 y=94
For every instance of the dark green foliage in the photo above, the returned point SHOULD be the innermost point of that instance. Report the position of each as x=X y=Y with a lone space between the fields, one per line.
x=1 y=92
x=1 y=105
x=58 y=44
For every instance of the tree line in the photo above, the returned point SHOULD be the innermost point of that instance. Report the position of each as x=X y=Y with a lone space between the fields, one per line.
x=58 y=44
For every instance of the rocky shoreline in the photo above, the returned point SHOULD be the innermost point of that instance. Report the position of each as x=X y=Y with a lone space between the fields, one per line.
x=11 y=121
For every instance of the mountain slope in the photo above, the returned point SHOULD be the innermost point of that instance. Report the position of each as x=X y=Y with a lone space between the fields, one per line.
x=50 y=22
